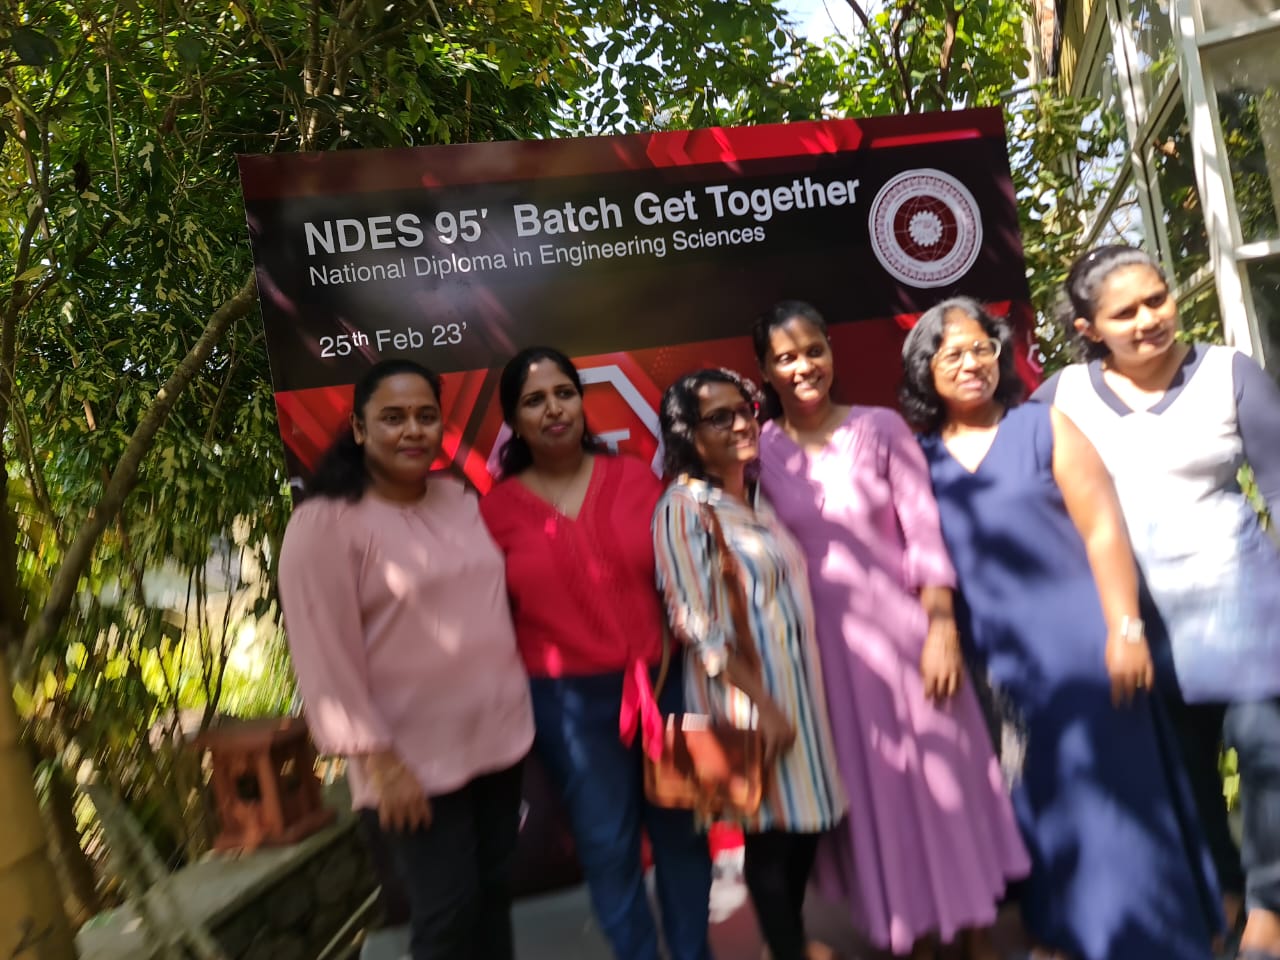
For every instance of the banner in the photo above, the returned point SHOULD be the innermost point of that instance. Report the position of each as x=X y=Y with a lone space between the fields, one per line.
x=641 y=256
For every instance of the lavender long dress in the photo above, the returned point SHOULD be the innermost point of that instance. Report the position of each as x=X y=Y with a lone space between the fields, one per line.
x=930 y=840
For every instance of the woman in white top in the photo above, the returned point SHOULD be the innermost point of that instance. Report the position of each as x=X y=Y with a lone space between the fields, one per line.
x=1174 y=422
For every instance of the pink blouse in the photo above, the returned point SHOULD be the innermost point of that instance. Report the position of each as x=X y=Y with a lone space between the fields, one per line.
x=401 y=635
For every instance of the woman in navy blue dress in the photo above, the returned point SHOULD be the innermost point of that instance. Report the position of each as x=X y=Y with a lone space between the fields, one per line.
x=1048 y=607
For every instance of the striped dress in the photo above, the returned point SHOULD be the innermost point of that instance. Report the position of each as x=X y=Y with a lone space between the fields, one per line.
x=803 y=794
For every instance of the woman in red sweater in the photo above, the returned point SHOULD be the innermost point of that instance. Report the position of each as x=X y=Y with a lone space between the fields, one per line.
x=574 y=524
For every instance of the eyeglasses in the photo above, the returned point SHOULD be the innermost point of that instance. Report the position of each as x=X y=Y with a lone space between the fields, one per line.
x=723 y=418
x=984 y=351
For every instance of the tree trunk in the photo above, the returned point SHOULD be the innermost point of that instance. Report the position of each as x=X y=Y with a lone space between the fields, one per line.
x=32 y=923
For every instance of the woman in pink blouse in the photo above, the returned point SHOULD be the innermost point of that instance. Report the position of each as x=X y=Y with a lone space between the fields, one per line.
x=396 y=610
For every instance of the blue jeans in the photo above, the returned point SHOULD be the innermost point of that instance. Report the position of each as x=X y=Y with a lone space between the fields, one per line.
x=1253 y=729
x=602 y=784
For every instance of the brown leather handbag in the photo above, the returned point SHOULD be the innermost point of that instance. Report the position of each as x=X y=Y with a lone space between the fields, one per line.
x=708 y=764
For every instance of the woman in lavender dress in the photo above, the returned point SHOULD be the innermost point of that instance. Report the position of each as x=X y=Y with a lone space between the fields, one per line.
x=930 y=841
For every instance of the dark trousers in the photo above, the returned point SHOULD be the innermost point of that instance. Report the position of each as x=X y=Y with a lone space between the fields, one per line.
x=776 y=866
x=455 y=872
x=1252 y=729
x=392 y=900
x=602 y=784
x=1198 y=727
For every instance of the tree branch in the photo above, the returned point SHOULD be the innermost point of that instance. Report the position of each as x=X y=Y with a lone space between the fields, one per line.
x=220 y=662
x=895 y=40
x=125 y=476
x=232 y=363
x=390 y=33
x=10 y=601
x=35 y=474
x=886 y=62
x=948 y=48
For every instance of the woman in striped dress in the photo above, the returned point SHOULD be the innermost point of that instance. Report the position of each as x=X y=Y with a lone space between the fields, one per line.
x=711 y=437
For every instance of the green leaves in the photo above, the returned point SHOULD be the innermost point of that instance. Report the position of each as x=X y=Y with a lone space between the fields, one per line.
x=683 y=64
x=189 y=49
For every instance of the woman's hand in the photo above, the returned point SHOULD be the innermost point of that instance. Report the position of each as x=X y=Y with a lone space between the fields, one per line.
x=941 y=664
x=1129 y=666
x=402 y=803
x=775 y=729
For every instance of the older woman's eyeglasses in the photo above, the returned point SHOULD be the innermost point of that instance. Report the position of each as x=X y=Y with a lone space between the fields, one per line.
x=723 y=418
x=984 y=351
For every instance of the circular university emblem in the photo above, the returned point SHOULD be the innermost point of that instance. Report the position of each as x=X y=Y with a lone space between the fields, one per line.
x=926 y=229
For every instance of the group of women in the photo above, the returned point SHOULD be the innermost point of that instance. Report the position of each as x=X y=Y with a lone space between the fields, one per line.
x=1081 y=581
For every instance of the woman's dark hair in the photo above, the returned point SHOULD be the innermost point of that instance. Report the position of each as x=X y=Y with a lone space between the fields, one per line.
x=681 y=411
x=515 y=455
x=779 y=315
x=1085 y=279
x=921 y=404
x=341 y=473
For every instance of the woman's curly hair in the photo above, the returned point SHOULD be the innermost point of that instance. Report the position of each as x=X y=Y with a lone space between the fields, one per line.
x=681 y=412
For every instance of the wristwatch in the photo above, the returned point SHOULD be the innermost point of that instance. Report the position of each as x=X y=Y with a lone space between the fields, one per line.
x=1132 y=629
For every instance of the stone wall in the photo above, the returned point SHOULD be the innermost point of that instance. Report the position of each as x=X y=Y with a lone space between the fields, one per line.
x=297 y=911
x=283 y=903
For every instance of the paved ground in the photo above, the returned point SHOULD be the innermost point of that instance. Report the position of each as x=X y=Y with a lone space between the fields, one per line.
x=560 y=927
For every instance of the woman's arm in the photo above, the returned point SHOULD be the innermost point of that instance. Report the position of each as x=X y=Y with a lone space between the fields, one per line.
x=687 y=576
x=685 y=580
x=1258 y=417
x=941 y=662
x=775 y=726
x=926 y=564
x=321 y=604
x=1091 y=501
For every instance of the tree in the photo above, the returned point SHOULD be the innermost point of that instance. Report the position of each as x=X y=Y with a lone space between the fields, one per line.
x=135 y=406
x=741 y=63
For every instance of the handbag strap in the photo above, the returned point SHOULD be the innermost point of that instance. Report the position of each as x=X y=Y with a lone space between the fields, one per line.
x=665 y=666
x=730 y=575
